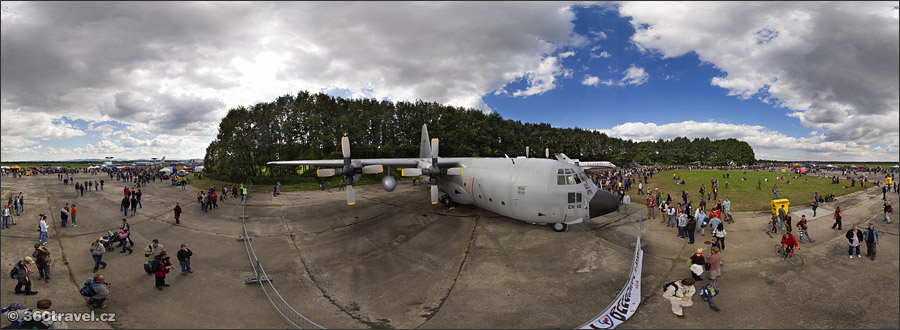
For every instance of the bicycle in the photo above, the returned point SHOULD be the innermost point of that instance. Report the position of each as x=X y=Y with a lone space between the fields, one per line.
x=794 y=258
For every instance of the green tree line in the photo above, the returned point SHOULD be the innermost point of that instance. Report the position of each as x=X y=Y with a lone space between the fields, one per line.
x=310 y=126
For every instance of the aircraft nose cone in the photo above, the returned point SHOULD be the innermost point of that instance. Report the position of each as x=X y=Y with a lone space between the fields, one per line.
x=602 y=203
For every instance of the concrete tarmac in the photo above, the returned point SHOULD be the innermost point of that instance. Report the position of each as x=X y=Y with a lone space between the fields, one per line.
x=394 y=260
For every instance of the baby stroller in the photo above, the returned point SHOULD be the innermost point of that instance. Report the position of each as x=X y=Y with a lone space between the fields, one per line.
x=110 y=239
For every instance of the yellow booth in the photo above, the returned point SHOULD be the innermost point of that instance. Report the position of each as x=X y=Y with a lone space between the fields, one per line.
x=777 y=203
x=888 y=180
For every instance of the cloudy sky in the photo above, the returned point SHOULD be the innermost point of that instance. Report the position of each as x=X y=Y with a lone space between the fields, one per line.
x=796 y=80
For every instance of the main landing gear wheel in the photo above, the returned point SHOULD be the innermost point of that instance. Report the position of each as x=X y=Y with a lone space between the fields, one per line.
x=560 y=227
x=448 y=202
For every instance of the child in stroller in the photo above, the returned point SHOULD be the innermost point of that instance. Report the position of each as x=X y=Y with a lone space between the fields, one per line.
x=110 y=239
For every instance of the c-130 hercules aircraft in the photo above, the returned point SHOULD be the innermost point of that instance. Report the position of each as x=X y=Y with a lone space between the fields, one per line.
x=534 y=190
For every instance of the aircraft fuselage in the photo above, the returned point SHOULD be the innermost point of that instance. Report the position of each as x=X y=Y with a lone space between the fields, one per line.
x=527 y=189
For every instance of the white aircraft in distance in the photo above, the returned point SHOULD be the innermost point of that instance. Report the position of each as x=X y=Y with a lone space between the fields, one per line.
x=584 y=164
x=154 y=162
x=534 y=190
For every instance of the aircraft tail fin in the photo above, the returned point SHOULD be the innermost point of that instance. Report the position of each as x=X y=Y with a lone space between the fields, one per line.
x=425 y=149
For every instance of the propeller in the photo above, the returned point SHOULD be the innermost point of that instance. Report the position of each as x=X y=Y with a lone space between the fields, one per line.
x=546 y=152
x=527 y=149
x=433 y=171
x=351 y=170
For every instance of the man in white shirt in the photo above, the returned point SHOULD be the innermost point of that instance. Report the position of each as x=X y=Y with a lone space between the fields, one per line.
x=43 y=226
x=679 y=295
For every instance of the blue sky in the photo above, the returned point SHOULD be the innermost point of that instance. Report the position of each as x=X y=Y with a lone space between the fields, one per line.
x=679 y=88
x=796 y=80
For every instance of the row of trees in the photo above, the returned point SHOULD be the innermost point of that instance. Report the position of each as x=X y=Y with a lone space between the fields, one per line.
x=310 y=126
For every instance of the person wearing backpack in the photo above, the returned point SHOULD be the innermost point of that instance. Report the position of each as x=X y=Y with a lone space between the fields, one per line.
x=679 y=294
x=707 y=292
x=22 y=274
x=42 y=259
x=99 y=289
x=153 y=250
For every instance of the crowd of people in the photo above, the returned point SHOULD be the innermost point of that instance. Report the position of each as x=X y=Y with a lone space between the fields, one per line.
x=680 y=292
x=97 y=290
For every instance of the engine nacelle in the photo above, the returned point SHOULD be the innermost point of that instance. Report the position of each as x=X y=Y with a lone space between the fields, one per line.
x=388 y=183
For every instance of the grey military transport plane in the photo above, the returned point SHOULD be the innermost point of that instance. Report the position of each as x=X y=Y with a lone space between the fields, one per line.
x=534 y=190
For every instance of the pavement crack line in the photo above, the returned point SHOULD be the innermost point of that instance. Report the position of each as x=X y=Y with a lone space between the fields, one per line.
x=437 y=309
x=312 y=277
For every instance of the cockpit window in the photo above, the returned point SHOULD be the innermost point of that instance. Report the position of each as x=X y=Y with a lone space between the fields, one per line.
x=569 y=177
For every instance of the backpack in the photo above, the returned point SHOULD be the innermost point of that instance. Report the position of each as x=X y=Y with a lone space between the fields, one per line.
x=14 y=273
x=713 y=288
x=150 y=267
x=38 y=258
x=87 y=289
x=666 y=286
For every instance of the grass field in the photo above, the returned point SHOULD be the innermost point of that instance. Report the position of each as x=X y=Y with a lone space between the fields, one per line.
x=744 y=195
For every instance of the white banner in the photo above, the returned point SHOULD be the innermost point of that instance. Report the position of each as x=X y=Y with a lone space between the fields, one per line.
x=627 y=301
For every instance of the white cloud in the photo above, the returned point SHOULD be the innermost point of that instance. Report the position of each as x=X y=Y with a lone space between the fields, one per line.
x=590 y=80
x=543 y=78
x=766 y=143
x=634 y=76
x=171 y=69
x=834 y=65
x=603 y=54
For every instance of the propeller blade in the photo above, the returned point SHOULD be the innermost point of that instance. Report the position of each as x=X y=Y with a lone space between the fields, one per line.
x=351 y=197
x=527 y=149
x=546 y=152
x=411 y=172
x=345 y=146
x=325 y=172
x=455 y=171
x=372 y=169
x=434 y=194
x=434 y=148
